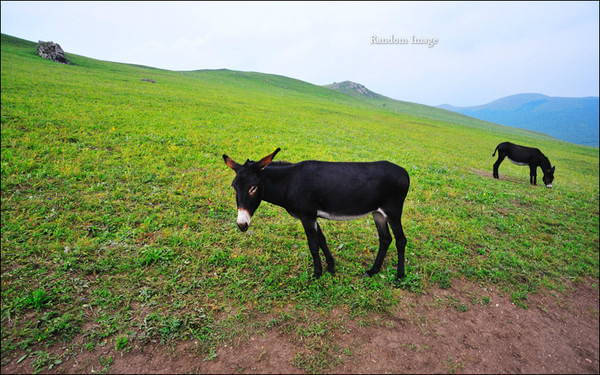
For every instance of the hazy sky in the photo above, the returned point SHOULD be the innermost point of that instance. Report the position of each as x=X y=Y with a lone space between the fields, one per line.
x=484 y=50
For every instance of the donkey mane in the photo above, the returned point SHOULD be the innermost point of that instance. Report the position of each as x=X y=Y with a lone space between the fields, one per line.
x=545 y=163
x=280 y=163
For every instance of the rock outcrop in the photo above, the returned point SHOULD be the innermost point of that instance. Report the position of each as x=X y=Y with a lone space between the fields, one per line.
x=350 y=87
x=52 y=51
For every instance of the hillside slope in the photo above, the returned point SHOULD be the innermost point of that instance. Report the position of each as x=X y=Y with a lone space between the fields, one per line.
x=571 y=119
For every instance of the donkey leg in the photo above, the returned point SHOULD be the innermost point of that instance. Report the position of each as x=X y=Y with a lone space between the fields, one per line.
x=497 y=164
x=396 y=224
x=310 y=228
x=326 y=252
x=385 y=238
x=533 y=175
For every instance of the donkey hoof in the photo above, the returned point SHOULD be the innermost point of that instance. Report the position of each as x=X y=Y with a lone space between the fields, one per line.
x=399 y=278
x=370 y=272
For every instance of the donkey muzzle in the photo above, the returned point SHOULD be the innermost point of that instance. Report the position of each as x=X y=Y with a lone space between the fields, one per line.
x=243 y=219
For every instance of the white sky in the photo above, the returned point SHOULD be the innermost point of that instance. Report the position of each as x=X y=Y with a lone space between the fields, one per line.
x=486 y=50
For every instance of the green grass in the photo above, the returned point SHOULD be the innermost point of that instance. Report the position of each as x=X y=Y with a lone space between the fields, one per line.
x=118 y=219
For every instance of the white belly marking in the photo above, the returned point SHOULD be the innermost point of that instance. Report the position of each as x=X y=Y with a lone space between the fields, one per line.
x=334 y=216
x=517 y=162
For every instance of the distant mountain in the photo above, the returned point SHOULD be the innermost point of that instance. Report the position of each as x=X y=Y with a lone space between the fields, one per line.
x=370 y=98
x=573 y=120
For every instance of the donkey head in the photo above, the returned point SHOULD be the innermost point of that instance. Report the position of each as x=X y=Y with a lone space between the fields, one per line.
x=249 y=186
x=548 y=176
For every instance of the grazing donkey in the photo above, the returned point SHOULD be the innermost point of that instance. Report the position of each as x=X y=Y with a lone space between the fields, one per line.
x=337 y=191
x=521 y=155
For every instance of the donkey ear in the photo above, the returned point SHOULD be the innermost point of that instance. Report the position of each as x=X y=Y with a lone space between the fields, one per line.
x=267 y=159
x=230 y=163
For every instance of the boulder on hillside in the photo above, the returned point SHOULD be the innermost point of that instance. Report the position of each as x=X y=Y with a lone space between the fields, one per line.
x=52 y=51
x=350 y=87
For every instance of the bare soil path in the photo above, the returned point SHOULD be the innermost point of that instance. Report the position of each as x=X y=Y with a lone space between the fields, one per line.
x=463 y=329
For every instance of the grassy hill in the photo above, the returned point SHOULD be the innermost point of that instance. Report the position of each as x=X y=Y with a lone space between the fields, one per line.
x=118 y=219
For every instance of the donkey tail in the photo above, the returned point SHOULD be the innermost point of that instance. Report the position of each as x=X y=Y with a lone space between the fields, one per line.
x=494 y=154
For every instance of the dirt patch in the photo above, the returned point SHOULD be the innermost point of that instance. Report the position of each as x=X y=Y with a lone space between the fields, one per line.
x=464 y=329
x=501 y=176
x=557 y=334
